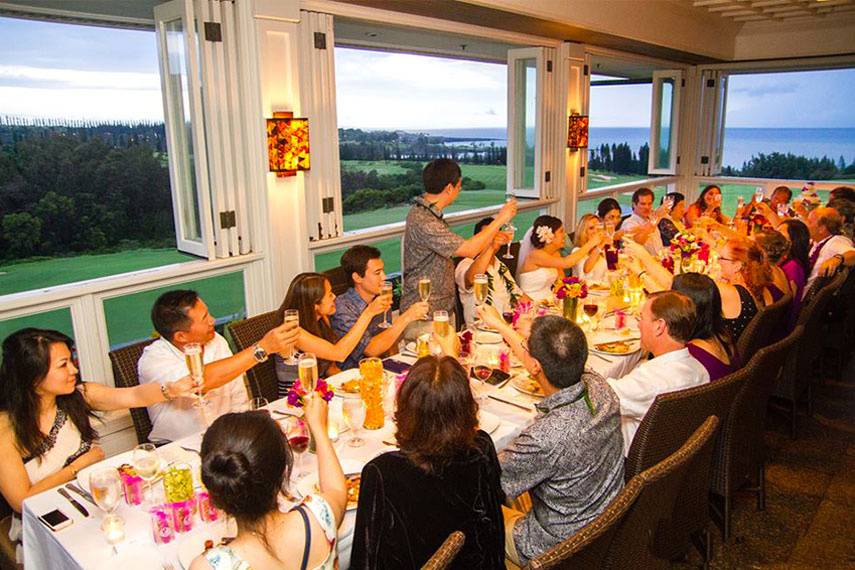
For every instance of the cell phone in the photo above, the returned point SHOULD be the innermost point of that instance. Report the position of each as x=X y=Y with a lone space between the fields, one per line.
x=496 y=377
x=396 y=366
x=56 y=520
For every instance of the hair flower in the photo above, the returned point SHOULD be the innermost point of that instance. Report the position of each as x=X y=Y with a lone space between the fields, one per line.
x=544 y=234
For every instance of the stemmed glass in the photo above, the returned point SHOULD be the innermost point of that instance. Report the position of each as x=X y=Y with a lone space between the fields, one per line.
x=386 y=289
x=146 y=463
x=291 y=315
x=193 y=358
x=258 y=404
x=509 y=228
x=307 y=370
x=106 y=488
x=481 y=289
x=354 y=415
x=298 y=439
x=424 y=290
x=591 y=307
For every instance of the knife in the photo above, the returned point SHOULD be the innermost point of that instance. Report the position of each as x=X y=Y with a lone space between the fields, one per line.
x=74 y=503
x=81 y=492
x=508 y=402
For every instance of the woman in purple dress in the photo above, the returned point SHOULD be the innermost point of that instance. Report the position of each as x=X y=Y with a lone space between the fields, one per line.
x=711 y=344
x=795 y=264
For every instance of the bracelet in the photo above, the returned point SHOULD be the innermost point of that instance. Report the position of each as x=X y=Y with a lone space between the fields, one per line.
x=165 y=393
x=640 y=275
x=840 y=257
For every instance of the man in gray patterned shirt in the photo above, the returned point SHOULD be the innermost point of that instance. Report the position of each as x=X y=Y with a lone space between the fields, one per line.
x=429 y=244
x=570 y=460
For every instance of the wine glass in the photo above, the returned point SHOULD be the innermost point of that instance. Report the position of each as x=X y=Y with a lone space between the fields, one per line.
x=298 y=439
x=258 y=404
x=591 y=308
x=758 y=194
x=193 y=357
x=386 y=289
x=354 y=415
x=509 y=228
x=106 y=488
x=307 y=371
x=291 y=316
x=481 y=289
x=424 y=290
x=783 y=210
x=146 y=463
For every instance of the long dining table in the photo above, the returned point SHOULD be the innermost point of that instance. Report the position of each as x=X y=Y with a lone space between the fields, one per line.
x=505 y=410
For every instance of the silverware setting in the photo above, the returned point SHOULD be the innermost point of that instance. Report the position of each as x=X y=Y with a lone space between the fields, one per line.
x=601 y=357
x=508 y=402
x=75 y=489
x=80 y=508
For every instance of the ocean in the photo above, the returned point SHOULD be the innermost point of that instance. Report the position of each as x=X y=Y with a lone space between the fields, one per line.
x=739 y=143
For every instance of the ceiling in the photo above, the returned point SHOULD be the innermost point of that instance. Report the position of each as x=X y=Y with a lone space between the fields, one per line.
x=775 y=10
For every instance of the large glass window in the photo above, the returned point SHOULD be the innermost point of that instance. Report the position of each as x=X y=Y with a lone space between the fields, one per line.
x=398 y=111
x=84 y=179
x=57 y=319
x=795 y=125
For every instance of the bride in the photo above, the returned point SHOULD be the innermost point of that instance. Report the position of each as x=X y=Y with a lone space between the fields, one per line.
x=541 y=263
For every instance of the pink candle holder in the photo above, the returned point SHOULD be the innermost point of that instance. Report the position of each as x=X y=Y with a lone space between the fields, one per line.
x=182 y=516
x=162 y=527
x=207 y=511
x=132 y=487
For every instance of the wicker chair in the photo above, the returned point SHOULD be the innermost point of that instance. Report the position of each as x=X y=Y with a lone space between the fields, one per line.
x=261 y=377
x=765 y=328
x=668 y=423
x=7 y=547
x=739 y=456
x=338 y=280
x=124 y=361
x=796 y=377
x=446 y=552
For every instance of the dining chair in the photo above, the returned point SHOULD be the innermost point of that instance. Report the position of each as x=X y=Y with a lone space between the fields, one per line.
x=339 y=281
x=7 y=547
x=446 y=553
x=765 y=328
x=739 y=456
x=261 y=378
x=125 y=374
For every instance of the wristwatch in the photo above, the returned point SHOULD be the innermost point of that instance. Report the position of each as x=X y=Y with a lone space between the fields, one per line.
x=259 y=353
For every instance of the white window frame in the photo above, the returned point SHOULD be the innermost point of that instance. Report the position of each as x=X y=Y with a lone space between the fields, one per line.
x=659 y=77
x=517 y=97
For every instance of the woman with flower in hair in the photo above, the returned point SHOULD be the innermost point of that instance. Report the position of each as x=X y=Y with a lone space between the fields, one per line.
x=544 y=264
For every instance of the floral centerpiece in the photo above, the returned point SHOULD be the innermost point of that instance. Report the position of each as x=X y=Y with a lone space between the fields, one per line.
x=570 y=290
x=297 y=393
x=688 y=249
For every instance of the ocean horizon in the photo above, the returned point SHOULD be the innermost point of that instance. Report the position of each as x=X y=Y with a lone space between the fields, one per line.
x=740 y=143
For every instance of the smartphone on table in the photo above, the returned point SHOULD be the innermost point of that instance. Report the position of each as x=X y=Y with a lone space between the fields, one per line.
x=55 y=520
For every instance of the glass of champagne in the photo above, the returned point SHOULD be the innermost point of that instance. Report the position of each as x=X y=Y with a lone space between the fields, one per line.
x=481 y=289
x=783 y=210
x=758 y=194
x=146 y=463
x=440 y=323
x=424 y=290
x=307 y=369
x=354 y=414
x=298 y=439
x=386 y=289
x=291 y=316
x=193 y=357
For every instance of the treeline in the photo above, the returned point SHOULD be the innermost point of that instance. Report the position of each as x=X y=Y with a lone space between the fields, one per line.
x=364 y=191
x=356 y=144
x=16 y=129
x=73 y=189
x=779 y=165
x=618 y=158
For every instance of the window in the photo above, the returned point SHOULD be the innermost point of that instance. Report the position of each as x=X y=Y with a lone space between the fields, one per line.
x=395 y=115
x=84 y=179
x=794 y=125
x=57 y=319
x=664 y=127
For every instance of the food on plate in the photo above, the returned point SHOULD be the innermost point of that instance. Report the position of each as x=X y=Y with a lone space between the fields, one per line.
x=616 y=347
x=351 y=386
x=597 y=286
x=353 y=481
x=528 y=385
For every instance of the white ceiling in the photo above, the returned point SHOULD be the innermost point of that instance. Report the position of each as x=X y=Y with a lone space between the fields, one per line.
x=775 y=10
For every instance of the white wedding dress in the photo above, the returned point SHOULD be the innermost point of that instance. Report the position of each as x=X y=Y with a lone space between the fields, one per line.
x=538 y=284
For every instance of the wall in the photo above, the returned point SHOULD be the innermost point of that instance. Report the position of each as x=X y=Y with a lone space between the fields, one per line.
x=832 y=35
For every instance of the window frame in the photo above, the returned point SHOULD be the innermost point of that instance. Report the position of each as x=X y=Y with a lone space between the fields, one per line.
x=660 y=77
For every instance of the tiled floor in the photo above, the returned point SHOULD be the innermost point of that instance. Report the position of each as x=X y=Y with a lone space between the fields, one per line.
x=809 y=521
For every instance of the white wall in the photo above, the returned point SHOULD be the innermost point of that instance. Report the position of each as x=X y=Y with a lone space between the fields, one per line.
x=832 y=35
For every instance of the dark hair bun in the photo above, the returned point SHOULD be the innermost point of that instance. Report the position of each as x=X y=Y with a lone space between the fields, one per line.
x=228 y=476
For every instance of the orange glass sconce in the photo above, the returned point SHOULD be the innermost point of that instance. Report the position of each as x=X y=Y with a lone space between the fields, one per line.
x=577 y=132
x=287 y=144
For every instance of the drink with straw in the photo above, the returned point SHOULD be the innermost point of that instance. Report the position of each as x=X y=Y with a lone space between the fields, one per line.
x=386 y=289
x=307 y=370
x=291 y=316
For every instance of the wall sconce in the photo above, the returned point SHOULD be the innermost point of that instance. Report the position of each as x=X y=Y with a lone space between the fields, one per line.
x=287 y=144
x=577 y=132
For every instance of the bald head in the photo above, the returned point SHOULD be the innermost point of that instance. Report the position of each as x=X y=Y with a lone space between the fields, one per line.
x=824 y=222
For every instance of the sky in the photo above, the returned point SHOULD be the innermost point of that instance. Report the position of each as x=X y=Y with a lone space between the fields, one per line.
x=83 y=72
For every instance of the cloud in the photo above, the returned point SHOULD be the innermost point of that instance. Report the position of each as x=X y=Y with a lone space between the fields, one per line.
x=58 y=78
x=762 y=90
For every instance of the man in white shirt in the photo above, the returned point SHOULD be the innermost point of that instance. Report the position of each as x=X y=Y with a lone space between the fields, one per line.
x=641 y=225
x=830 y=249
x=181 y=317
x=666 y=325
x=503 y=289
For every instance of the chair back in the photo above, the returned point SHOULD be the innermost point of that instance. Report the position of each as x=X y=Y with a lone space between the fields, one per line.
x=633 y=544
x=674 y=416
x=447 y=552
x=740 y=448
x=764 y=328
x=126 y=375
x=261 y=377
x=339 y=280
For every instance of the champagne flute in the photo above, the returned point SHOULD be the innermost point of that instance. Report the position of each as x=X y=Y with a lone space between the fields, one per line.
x=193 y=357
x=481 y=289
x=307 y=370
x=440 y=323
x=146 y=463
x=354 y=416
x=386 y=289
x=424 y=290
x=758 y=194
x=291 y=316
x=509 y=228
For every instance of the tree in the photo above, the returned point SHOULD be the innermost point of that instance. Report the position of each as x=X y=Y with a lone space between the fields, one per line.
x=21 y=234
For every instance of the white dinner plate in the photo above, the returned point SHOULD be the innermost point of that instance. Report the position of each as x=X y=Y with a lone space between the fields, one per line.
x=308 y=484
x=115 y=462
x=337 y=380
x=633 y=346
x=527 y=385
x=488 y=422
x=193 y=544
x=484 y=337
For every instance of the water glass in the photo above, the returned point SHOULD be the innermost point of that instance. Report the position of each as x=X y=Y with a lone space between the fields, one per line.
x=354 y=416
x=106 y=488
x=146 y=463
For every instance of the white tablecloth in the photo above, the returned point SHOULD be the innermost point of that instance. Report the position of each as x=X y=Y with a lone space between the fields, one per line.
x=82 y=545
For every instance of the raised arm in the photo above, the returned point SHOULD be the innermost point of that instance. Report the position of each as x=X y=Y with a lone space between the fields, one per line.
x=482 y=262
x=330 y=475
x=650 y=267
x=339 y=351
x=482 y=240
x=382 y=342
x=106 y=398
x=542 y=259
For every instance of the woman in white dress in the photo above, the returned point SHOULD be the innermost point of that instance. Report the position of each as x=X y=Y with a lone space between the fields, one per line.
x=593 y=267
x=544 y=264
x=46 y=434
